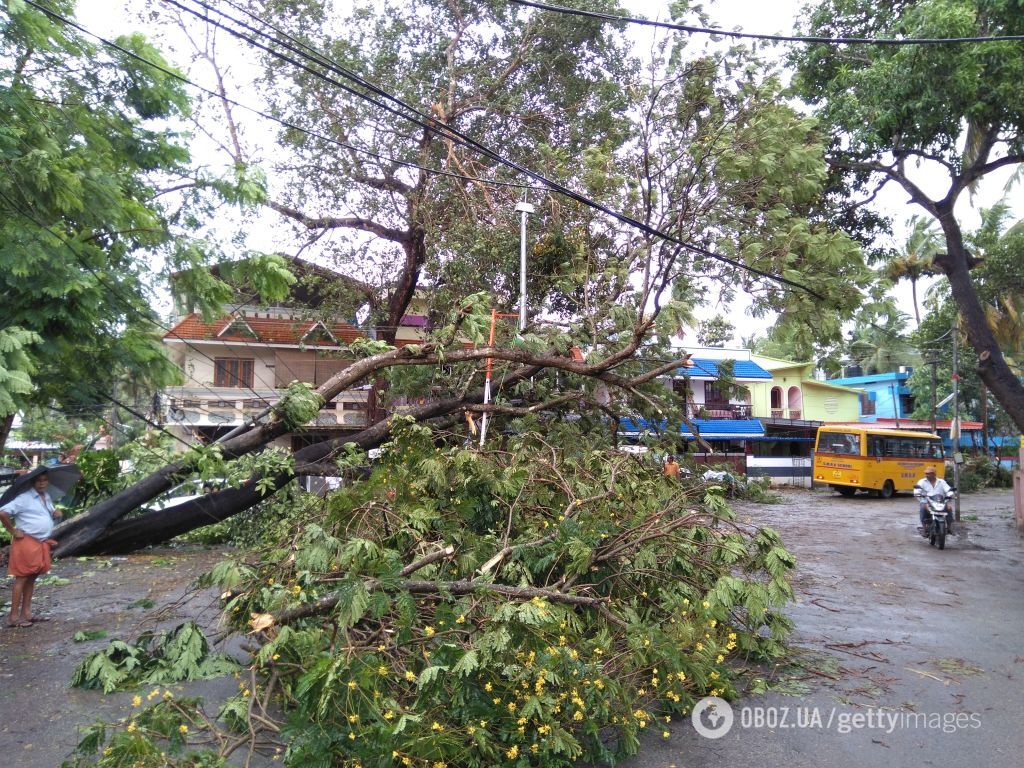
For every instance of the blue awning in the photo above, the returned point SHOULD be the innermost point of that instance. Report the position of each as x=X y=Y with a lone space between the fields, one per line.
x=710 y=429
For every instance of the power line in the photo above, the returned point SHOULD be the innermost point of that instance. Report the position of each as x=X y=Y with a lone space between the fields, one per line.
x=448 y=132
x=267 y=116
x=880 y=41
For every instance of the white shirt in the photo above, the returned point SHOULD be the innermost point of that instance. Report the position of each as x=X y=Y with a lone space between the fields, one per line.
x=32 y=515
x=939 y=486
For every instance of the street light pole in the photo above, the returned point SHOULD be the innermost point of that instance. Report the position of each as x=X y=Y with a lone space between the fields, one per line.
x=524 y=209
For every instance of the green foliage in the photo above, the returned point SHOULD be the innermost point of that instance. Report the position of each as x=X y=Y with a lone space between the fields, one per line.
x=978 y=472
x=669 y=587
x=156 y=736
x=156 y=658
x=299 y=405
x=16 y=367
x=77 y=207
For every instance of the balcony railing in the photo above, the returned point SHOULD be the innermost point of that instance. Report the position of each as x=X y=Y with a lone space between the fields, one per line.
x=223 y=407
x=718 y=410
x=787 y=413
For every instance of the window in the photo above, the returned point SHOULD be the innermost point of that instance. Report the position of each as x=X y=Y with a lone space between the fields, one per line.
x=867 y=405
x=233 y=372
x=847 y=443
x=716 y=393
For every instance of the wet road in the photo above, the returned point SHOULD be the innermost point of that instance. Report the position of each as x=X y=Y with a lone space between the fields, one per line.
x=908 y=656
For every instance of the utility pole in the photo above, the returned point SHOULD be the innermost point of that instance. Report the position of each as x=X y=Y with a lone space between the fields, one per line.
x=954 y=431
x=933 y=361
x=524 y=209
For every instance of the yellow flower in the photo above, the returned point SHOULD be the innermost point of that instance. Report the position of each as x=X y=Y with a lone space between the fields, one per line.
x=706 y=604
x=183 y=728
x=389 y=715
x=136 y=701
x=534 y=748
x=353 y=718
x=488 y=687
x=699 y=646
x=276 y=656
x=436 y=726
x=713 y=675
x=428 y=630
x=483 y=723
x=352 y=685
x=665 y=734
x=168 y=695
x=352 y=737
x=132 y=727
x=382 y=670
x=461 y=619
x=512 y=752
x=471 y=730
x=406 y=761
x=296 y=589
x=732 y=635
x=153 y=694
x=712 y=623
x=720 y=658
x=439 y=764
x=409 y=675
x=512 y=706
x=577 y=715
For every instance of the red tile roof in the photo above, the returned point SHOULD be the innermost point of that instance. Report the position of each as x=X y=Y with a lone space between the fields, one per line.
x=268 y=330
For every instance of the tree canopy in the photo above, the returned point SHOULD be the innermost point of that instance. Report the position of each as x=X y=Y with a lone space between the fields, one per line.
x=957 y=108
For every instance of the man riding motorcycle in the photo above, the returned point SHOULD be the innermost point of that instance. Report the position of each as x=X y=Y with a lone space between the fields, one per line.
x=928 y=485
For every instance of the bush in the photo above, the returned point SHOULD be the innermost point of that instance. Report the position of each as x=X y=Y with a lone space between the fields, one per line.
x=979 y=472
x=534 y=607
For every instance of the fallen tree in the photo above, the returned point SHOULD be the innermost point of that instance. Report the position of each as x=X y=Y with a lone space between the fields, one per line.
x=539 y=605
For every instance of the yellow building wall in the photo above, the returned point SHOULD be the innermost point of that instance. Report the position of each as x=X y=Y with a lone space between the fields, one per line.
x=818 y=403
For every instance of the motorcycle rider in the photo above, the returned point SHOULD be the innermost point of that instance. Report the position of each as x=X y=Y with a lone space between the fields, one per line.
x=928 y=485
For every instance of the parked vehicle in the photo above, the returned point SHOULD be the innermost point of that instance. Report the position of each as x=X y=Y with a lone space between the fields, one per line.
x=881 y=461
x=187 y=491
x=940 y=515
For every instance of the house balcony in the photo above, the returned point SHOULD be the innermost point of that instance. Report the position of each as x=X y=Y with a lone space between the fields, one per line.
x=718 y=410
x=230 y=406
x=793 y=414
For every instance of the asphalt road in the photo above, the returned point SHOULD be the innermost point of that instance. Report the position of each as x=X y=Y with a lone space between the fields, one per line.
x=907 y=655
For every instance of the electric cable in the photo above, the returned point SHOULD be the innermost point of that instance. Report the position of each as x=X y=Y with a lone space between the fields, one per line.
x=446 y=131
x=880 y=41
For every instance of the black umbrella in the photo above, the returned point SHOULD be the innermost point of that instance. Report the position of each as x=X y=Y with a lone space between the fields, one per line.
x=62 y=479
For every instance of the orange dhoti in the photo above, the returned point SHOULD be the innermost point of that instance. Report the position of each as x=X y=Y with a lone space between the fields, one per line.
x=29 y=557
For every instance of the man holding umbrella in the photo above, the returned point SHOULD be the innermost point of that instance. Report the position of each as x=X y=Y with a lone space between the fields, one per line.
x=28 y=514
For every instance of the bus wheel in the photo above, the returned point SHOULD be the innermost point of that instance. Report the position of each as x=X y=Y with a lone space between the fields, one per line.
x=888 y=489
x=845 y=490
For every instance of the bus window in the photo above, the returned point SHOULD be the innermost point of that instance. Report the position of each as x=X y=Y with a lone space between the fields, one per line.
x=846 y=443
x=876 y=446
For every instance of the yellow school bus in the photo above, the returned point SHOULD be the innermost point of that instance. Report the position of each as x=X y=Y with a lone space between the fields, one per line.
x=881 y=461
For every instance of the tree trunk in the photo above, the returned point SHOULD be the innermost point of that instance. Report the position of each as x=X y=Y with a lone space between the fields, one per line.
x=5 y=430
x=154 y=527
x=991 y=366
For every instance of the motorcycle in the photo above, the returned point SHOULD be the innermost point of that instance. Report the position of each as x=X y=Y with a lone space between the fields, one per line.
x=939 y=515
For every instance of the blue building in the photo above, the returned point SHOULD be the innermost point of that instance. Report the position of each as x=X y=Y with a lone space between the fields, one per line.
x=886 y=395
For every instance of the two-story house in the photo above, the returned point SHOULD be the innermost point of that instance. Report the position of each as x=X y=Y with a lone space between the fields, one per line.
x=236 y=365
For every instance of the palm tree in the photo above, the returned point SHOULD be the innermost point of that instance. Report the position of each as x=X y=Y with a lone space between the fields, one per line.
x=915 y=262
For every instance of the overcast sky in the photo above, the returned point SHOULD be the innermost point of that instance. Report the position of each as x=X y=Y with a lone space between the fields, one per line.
x=768 y=16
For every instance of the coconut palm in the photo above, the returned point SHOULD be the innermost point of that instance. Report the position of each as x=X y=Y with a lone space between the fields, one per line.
x=915 y=261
